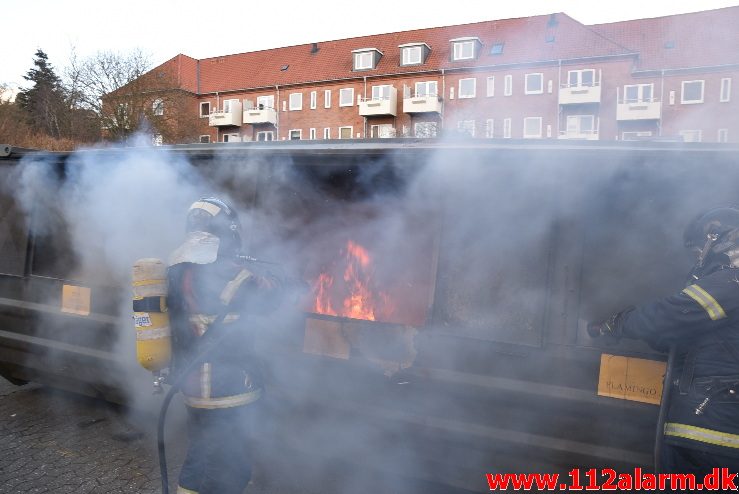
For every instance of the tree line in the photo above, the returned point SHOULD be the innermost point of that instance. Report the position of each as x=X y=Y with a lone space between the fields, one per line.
x=107 y=97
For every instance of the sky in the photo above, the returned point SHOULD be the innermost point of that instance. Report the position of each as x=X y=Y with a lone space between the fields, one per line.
x=163 y=28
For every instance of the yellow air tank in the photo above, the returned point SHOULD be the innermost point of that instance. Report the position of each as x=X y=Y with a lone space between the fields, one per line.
x=153 y=338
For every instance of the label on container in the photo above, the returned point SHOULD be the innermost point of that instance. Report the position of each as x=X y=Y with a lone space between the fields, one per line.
x=629 y=378
x=76 y=300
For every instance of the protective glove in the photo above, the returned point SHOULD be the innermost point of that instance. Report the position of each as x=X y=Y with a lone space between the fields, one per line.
x=611 y=327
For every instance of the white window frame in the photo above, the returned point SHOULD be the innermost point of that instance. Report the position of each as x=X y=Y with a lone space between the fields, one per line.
x=725 y=92
x=381 y=92
x=312 y=134
x=425 y=126
x=489 y=128
x=157 y=140
x=290 y=134
x=411 y=55
x=507 y=126
x=424 y=88
x=683 y=101
x=639 y=92
x=351 y=131
x=327 y=98
x=202 y=105
x=157 y=107
x=490 y=86
x=207 y=139
x=296 y=101
x=692 y=132
x=364 y=60
x=466 y=126
x=313 y=100
x=578 y=129
x=463 y=95
x=527 y=80
x=508 y=85
x=227 y=137
x=266 y=101
x=265 y=133
x=580 y=73
x=227 y=104
x=528 y=120
x=376 y=131
x=327 y=132
x=343 y=99
x=460 y=47
x=723 y=135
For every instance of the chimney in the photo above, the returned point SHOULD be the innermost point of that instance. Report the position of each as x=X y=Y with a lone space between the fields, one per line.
x=314 y=48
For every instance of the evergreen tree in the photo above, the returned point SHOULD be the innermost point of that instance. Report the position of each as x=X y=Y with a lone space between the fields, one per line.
x=44 y=102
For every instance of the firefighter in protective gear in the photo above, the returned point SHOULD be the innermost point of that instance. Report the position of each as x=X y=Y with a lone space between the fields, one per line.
x=210 y=284
x=701 y=323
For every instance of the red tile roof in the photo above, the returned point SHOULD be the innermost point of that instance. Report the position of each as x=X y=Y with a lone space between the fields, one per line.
x=698 y=39
x=525 y=41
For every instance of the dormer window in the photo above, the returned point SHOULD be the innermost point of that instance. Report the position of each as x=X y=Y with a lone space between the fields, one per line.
x=465 y=48
x=414 y=53
x=366 y=58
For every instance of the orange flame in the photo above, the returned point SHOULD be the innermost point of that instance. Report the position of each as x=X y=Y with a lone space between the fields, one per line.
x=356 y=296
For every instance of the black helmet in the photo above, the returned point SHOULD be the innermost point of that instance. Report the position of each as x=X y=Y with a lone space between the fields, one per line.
x=713 y=232
x=215 y=216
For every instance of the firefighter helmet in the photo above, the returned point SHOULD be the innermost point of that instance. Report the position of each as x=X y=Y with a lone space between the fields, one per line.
x=713 y=232
x=213 y=230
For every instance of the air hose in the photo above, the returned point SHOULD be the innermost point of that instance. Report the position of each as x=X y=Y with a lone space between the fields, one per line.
x=664 y=406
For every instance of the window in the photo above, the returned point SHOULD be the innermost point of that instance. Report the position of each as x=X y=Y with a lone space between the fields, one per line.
x=204 y=139
x=638 y=93
x=327 y=133
x=636 y=136
x=230 y=105
x=383 y=131
x=231 y=138
x=464 y=50
x=581 y=78
x=692 y=92
x=295 y=134
x=411 y=55
x=581 y=125
x=265 y=135
x=466 y=127
x=157 y=107
x=311 y=134
x=491 y=86
x=204 y=109
x=508 y=85
x=489 y=128
x=381 y=92
x=346 y=96
x=725 y=90
x=532 y=128
x=345 y=132
x=364 y=60
x=723 y=135
x=157 y=140
x=428 y=88
x=506 y=128
x=497 y=48
x=265 y=102
x=327 y=98
x=425 y=129
x=467 y=88
x=692 y=135
x=534 y=83
x=296 y=101
x=313 y=100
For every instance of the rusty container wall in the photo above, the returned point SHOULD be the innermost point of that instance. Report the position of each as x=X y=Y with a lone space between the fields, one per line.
x=509 y=250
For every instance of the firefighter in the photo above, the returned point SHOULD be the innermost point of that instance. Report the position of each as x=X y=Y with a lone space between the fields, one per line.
x=211 y=286
x=700 y=325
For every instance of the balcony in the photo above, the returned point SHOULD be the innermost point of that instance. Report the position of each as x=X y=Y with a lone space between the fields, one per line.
x=429 y=103
x=582 y=135
x=386 y=105
x=639 y=110
x=578 y=95
x=229 y=116
x=260 y=115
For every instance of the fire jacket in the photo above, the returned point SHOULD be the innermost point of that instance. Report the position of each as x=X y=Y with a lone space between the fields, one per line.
x=703 y=322
x=198 y=295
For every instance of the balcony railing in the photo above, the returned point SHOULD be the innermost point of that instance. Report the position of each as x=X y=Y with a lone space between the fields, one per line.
x=260 y=115
x=385 y=105
x=422 y=103
x=647 y=109
x=226 y=116
x=579 y=94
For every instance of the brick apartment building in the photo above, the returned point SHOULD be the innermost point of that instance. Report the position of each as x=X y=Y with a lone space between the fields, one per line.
x=541 y=77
